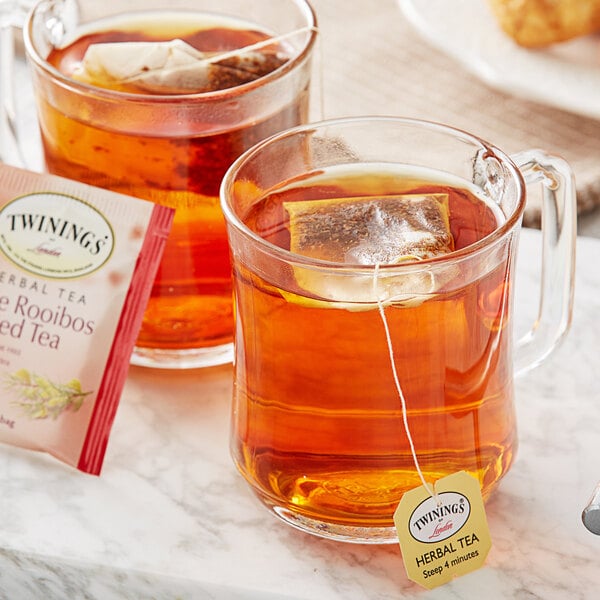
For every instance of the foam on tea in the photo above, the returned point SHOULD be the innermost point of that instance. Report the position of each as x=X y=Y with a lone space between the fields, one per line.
x=174 y=67
x=370 y=231
x=76 y=270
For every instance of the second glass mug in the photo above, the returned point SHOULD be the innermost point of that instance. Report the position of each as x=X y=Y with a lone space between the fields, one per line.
x=317 y=425
x=172 y=149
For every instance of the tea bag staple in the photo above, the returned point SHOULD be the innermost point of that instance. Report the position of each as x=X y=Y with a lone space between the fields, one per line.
x=173 y=67
x=371 y=231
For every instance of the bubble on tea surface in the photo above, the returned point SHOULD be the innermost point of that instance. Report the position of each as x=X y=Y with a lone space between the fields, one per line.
x=174 y=67
x=371 y=231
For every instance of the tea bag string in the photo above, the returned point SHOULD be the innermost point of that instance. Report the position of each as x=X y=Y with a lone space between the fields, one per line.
x=320 y=103
x=430 y=488
x=258 y=45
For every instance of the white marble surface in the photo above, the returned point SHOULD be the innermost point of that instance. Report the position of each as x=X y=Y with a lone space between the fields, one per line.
x=171 y=518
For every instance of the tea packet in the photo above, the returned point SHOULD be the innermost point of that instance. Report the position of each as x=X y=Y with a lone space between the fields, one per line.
x=76 y=270
x=174 y=67
x=369 y=231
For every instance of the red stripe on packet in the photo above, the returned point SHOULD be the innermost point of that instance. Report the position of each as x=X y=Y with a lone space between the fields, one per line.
x=117 y=366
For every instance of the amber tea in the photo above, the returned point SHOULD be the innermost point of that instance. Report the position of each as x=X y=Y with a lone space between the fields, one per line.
x=172 y=146
x=317 y=420
x=374 y=263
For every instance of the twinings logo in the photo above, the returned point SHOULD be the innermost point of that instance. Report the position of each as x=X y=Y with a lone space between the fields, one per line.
x=433 y=522
x=55 y=235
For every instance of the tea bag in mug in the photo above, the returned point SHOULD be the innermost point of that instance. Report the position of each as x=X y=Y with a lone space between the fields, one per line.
x=371 y=231
x=174 y=67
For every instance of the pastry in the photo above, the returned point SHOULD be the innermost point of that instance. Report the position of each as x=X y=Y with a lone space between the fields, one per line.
x=538 y=23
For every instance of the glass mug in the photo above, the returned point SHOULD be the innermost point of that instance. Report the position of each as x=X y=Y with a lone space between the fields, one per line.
x=317 y=423
x=171 y=148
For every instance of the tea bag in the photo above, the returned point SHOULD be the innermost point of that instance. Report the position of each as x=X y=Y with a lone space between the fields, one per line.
x=370 y=231
x=174 y=67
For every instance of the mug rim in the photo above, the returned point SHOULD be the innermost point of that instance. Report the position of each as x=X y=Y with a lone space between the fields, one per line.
x=232 y=219
x=224 y=94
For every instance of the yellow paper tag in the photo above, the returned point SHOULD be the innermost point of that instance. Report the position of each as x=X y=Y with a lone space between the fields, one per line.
x=445 y=540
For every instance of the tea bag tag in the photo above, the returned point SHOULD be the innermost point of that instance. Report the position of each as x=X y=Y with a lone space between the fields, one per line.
x=442 y=529
x=445 y=535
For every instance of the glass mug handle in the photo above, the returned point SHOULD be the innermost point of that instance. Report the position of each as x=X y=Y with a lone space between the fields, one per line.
x=10 y=17
x=13 y=14
x=559 y=234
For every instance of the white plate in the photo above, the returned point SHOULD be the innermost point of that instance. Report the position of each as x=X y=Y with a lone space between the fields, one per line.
x=565 y=76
